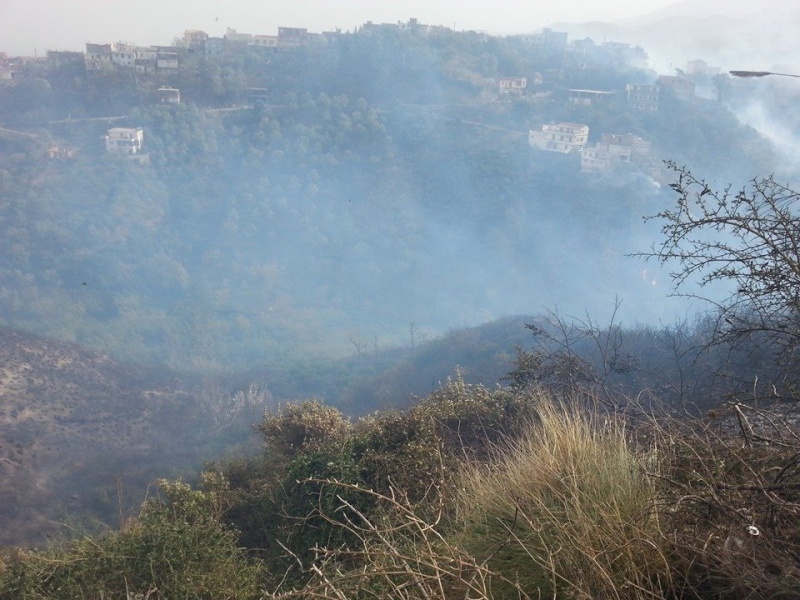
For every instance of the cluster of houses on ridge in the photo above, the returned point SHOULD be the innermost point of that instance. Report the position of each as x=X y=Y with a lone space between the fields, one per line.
x=147 y=60
x=159 y=59
x=612 y=151
x=637 y=95
x=153 y=59
x=165 y=59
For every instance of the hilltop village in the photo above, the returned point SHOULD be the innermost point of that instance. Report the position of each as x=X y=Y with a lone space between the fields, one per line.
x=239 y=70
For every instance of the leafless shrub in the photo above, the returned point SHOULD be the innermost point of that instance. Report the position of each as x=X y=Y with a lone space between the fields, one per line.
x=730 y=489
x=401 y=556
x=225 y=409
x=747 y=240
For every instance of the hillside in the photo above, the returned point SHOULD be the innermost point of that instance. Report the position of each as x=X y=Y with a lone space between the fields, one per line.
x=82 y=435
x=356 y=234
x=344 y=322
x=384 y=179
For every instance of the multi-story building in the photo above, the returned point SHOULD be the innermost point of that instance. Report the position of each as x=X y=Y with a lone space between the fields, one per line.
x=642 y=96
x=126 y=141
x=97 y=56
x=167 y=58
x=234 y=37
x=292 y=37
x=613 y=150
x=560 y=137
x=146 y=60
x=265 y=41
x=680 y=86
x=123 y=55
x=588 y=97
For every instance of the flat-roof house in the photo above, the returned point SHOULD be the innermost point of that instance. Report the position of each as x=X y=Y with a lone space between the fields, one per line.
x=588 y=97
x=560 y=137
x=613 y=150
x=642 y=96
x=125 y=140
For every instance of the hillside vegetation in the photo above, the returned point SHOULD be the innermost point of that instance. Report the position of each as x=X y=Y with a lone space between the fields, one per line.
x=483 y=492
x=385 y=182
x=286 y=268
x=82 y=436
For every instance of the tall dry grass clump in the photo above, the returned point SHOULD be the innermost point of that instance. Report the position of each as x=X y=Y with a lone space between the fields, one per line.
x=566 y=510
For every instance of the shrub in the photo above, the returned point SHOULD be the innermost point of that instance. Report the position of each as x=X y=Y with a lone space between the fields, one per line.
x=400 y=556
x=731 y=491
x=300 y=426
x=409 y=451
x=177 y=549
x=291 y=499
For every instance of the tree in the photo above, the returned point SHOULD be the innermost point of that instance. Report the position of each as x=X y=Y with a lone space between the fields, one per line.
x=749 y=241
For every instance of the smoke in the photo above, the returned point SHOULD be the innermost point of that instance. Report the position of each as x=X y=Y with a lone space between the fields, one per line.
x=770 y=108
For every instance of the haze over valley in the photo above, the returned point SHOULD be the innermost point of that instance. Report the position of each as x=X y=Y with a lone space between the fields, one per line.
x=198 y=228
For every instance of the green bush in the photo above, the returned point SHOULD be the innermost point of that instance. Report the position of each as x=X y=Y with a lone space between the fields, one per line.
x=284 y=500
x=176 y=549
x=301 y=426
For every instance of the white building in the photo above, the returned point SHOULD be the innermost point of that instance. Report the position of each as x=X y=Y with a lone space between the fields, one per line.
x=123 y=55
x=265 y=41
x=588 y=97
x=168 y=95
x=560 y=137
x=127 y=141
x=512 y=85
x=613 y=150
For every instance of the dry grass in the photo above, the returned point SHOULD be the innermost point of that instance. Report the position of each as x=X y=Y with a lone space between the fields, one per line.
x=567 y=511
x=580 y=505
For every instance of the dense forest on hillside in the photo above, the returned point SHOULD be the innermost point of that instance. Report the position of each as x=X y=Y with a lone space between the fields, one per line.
x=384 y=186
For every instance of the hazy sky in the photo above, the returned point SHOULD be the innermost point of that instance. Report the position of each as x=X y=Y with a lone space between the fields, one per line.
x=41 y=25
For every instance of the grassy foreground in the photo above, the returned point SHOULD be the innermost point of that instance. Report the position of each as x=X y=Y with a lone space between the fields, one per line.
x=473 y=493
